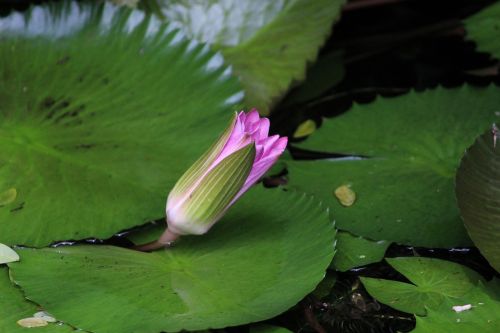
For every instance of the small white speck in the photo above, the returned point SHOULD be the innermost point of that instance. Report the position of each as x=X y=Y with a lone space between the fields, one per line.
x=460 y=308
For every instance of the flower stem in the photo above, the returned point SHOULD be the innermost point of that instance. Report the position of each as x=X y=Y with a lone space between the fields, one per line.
x=166 y=240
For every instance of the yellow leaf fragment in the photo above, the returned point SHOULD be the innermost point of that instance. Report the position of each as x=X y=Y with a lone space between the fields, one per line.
x=305 y=129
x=32 y=322
x=7 y=254
x=345 y=195
x=6 y=197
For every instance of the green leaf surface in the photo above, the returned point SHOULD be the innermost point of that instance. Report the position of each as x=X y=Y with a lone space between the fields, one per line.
x=269 y=43
x=478 y=194
x=101 y=110
x=354 y=251
x=13 y=307
x=433 y=281
x=483 y=28
x=267 y=253
x=482 y=317
x=411 y=147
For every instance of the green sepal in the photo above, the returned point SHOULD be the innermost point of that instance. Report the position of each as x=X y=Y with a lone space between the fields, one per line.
x=191 y=176
x=218 y=188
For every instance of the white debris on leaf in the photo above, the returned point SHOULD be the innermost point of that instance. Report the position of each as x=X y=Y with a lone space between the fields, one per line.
x=32 y=322
x=45 y=316
x=460 y=308
x=7 y=254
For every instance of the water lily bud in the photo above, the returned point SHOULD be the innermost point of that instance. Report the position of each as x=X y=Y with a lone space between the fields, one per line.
x=235 y=162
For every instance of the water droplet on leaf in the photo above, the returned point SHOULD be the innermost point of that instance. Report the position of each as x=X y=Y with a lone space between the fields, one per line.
x=345 y=195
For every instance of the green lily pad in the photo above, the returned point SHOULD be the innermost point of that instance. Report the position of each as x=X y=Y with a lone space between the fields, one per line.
x=408 y=149
x=102 y=109
x=434 y=280
x=482 y=317
x=269 y=43
x=13 y=307
x=478 y=188
x=267 y=253
x=483 y=29
x=354 y=251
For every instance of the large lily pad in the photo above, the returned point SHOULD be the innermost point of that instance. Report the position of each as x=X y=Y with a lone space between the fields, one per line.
x=101 y=110
x=13 y=307
x=269 y=251
x=483 y=28
x=478 y=194
x=408 y=149
x=434 y=280
x=269 y=43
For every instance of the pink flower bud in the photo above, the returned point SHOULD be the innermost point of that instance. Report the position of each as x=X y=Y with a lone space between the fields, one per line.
x=240 y=157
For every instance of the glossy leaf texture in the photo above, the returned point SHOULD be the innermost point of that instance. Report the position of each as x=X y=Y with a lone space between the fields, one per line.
x=483 y=29
x=267 y=253
x=268 y=43
x=478 y=194
x=101 y=110
x=405 y=151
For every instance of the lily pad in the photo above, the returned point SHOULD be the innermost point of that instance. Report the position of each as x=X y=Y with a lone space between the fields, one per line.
x=478 y=189
x=406 y=151
x=482 y=317
x=483 y=29
x=268 y=252
x=354 y=251
x=102 y=109
x=269 y=43
x=434 y=280
x=14 y=307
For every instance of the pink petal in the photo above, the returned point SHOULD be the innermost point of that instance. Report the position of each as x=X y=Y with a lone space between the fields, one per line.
x=275 y=148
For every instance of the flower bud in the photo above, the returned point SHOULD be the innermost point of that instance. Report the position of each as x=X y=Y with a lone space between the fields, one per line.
x=242 y=154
